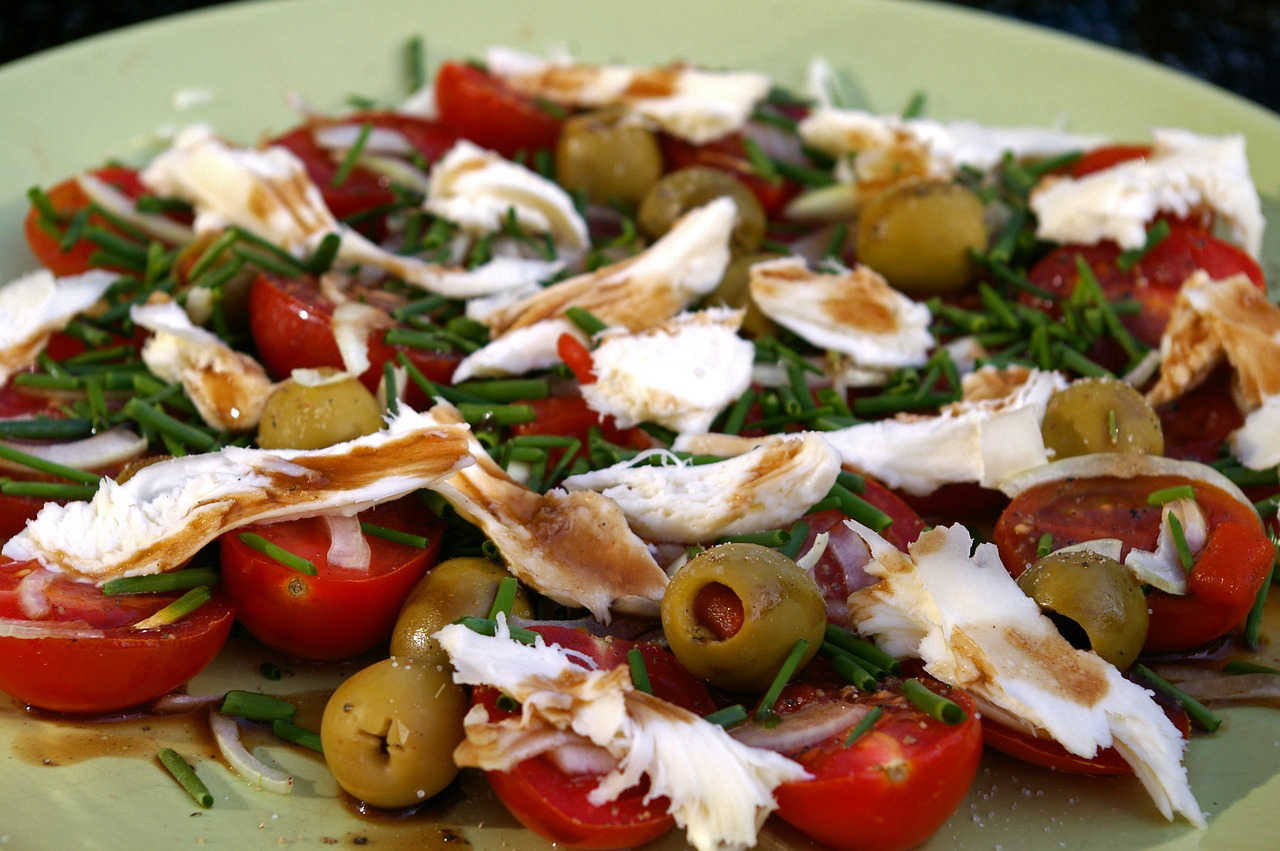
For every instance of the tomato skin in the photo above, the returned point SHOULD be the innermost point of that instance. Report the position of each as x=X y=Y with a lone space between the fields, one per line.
x=1197 y=422
x=728 y=155
x=1222 y=585
x=894 y=786
x=485 y=110
x=1050 y=754
x=67 y=197
x=339 y=612
x=570 y=416
x=577 y=357
x=1105 y=157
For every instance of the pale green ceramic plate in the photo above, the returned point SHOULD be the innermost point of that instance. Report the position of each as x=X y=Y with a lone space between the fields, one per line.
x=109 y=96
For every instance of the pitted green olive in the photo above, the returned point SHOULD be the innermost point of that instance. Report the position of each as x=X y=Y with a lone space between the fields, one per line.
x=681 y=191
x=390 y=730
x=299 y=416
x=919 y=234
x=1100 y=415
x=1096 y=601
x=607 y=159
x=733 y=291
x=734 y=612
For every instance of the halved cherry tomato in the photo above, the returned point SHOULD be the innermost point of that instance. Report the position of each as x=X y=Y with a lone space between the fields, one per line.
x=727 y=154
x=1197 y=422
x=119 y=668
x=1227 y=573
x=554 y=804
x=67 y=197
x=1107 y=156
x=570 y=416
x=482 y=108
x=894 y=786
x=577 y=357
x=340 y=611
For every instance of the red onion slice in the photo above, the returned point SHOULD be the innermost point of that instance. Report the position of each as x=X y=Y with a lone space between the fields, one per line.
x=801 y=729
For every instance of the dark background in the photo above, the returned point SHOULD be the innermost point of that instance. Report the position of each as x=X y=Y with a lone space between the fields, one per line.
x=1231 y=43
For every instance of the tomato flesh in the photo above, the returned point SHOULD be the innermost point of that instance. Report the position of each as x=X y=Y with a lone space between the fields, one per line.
x=485 y=110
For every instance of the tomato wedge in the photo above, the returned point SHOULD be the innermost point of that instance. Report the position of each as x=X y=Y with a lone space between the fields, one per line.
x=67 y=198
x=482 y=108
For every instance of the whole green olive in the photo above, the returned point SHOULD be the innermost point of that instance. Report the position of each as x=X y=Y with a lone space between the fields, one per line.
x=389 y=732
x=919 y=234
x=733 y=291
x=1096 y=601
x=681 y=191
x=298 y=416
x=1100 y=415
x=452 y=589
x=607 y=159
x=735 y=611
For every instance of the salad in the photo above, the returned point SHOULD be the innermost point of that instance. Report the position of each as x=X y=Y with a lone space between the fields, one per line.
x=661 y=409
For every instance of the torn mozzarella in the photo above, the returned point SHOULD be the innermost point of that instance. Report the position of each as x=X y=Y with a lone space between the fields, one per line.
x=157 y=519
x=720 y=790
x=352 y=323
x=38 y=304
x=1183 y=173
x=1256 y=444
x=228 y=388
x=856 y=313
x=679 y=374
x=689 y=103
x=767 y=487
x=1163 y=568
x=975 y=629
x=522 y=350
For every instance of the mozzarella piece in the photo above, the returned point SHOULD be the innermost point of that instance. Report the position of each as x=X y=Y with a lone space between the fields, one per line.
x=157 y=519
x=691 y=104
x=1183 y=172
x=575 y=548
x=352 y=323
x=228 y=388
x=38 y=304
x=1162 y=568
x=975 y=629
x=767 y=487
x=476 y=189
x=720 y=789
x=988 y=436
x=526 y=349
x=679 y=374
x=1256 y=444
x=855 y=313
x=637 y=293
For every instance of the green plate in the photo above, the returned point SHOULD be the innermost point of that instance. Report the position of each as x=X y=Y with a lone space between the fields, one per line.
x=95 y=786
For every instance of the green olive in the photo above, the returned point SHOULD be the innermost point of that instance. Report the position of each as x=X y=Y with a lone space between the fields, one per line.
x=734 y=612
x=733 y=291
x=452 y=589
x=1096 y=602
x=389 y=732
x=300 y=417
x=680 y=191
x=919 y=234
x=607 y=159
x=1100 y=415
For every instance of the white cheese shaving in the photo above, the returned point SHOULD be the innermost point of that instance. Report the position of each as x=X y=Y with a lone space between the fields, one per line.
x=522 y=350
x=352 y=323
x=975 y=629
x=764 y=488
x=1256 y=444
x=38 y=304
x=720 y=790
x=1163 y=568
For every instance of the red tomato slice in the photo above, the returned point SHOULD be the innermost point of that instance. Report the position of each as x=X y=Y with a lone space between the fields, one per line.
x=67 y=197
x=554 y=804
x=122 y=667
x=485 y=110
x=894 y=786
x=339 y=612
x=570 y=416
x=1107 y=156
x=1222 y=585
x=728 y=155
x=577 y=357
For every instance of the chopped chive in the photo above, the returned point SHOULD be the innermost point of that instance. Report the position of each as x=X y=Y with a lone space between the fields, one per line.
x=1044 y=546
x=1267 y=507
x=848 y=667
x=267 y=262
x=422 y=305
x=415 y=63
x=544 y=163
x=389 y=386
x=795 y=539
x=860 y=510
x=121 y=246
x=775 y=246
x=1113 y=427
x=861 y=648
x=75 y=229
x=489 y=626
x=932 y=704
x=1156 y=234
x=727 y=717
x=84 y=332
x=349 y=160
x=162 y=583
x=1160 y=497
x=829 y=503
x=1244 y=666
x=760 y=163
x=915 y=106
x=764 y=712
x=496 y=415
x=504 y=390
x=891 y=403
x=53 y=468
x=1253 y=621
x=326 y=252
x=277 y=553
x=418 y=340
x=766 y=114
x=45 y=428
x=43 y=204
x=157 y=204
x=1009 y=277
x=568 y=457
x=178 y=609
x=999 y=308
x=1180 y=543
x=212 y=253
x=182 y=771
x=46 y=490
x=149 y=415
x=285 y=258
x=586 y=321
x=738 y=413
x=852 y=482
x=394 y=535
x=769 y=538
x=864 y=726
x=505 y=597
x=1073 y=360
x=291 y=732
x=544 y=441
x=836 y=243
x=1197 y=711
x=256 y=707
x=639 y=674
x=1242 y=476
x=1003 y=246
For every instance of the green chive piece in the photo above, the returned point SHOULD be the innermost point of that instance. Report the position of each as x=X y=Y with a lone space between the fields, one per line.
x=915 y=106
x=162 y=583
x=544 y=441
x=285 y=259
x=256 y=707
x=587 y=322
x=504 y=390
x=291 y=732
x=394 y=535
x=861 y=648
x=1044 y=546
x=852 y=482
x=1113 y=427
x=389 y=385
x=43 y=204
x=415 y=63
x=1180 y=542
x=74 y=231
x=932 y=704
x=349 y=161
x=151 y=416
x=1156 y=234
x=1164 y=495
x=864 y=726
x=157 y=204
x=182 y=771
x=422 y=305
x=639 y=674
x=496 y=415
x=277 y=553
x=727 y=717
x=113 y=242
x=795 y=539
x=489 y=626
x=178 y=609
x=859 y=509
x=760 y=164
x=62 y=471
x=828 y=504
x=892 y=403
x=999 y=308
x=212 y=253
x=505 y=598
x=1200 y=714
x=848 y=667
x=1253 y=621
x=1244 y=666
x=1073 y=360
x=47 y=490
x=326 y=252
x=835 y=245
x=764 y=711
x=738 y=413
x=770 y=538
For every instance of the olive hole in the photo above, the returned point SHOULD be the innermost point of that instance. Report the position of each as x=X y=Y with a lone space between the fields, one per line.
x=717 y=609
x=1070 y=630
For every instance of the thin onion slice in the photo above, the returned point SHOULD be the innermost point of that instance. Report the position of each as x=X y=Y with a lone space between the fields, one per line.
x=1233 y=687
x=1121 y=465
x=176 y=704
x=227 y=734
x=808 y=726
x=810 y=559
x=31 y=597
x=396 y=170
x=107 y=449
x=114 y=201
x=347 y=544
x=383 y=140
x=17 y=628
